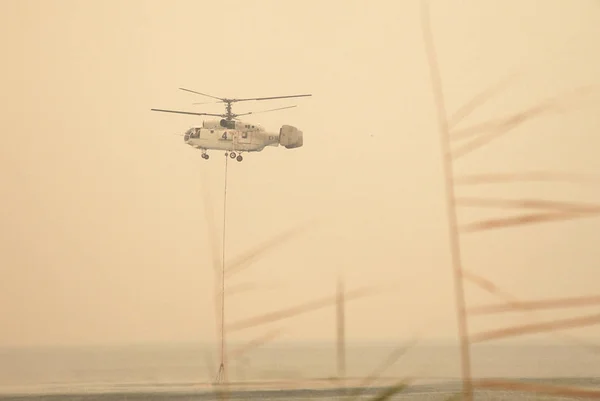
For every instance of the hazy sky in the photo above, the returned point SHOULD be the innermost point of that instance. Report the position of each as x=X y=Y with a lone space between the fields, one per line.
x=103 y=232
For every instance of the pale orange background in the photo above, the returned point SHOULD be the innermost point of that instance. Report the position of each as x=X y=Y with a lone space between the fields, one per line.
x=103 y=233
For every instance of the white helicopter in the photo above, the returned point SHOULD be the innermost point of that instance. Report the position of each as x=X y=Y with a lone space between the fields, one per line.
x=235 y=136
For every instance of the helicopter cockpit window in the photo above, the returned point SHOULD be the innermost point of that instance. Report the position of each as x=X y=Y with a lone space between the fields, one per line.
x=195 y=133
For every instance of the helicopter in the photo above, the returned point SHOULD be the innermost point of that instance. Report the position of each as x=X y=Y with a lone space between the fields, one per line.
x=235 y=136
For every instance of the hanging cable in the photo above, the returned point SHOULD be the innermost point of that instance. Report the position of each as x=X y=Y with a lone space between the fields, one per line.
x=221 y=373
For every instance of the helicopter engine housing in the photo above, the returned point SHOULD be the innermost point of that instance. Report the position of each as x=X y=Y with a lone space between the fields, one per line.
x=211 y=124
x=290 y=137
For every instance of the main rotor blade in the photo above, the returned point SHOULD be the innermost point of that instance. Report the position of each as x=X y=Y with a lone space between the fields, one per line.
x=207 y=102
x=264 y=111
x=188 y=112
x=269 y=98
x=203 y=94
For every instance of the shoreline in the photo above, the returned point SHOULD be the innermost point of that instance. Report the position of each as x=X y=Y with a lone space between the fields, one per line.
x=269 y=389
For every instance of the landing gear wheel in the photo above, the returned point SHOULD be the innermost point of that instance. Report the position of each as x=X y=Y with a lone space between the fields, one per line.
x=232 y=155
x=239 y=158
x=205 y=156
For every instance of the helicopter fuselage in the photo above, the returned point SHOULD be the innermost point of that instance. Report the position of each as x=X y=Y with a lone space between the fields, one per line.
x=237 y=137
x=232 y=136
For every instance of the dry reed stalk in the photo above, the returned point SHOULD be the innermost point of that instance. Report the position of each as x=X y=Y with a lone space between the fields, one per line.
x=558 y=211
x=557 y=206
x=555 y=303
x=524 y=219
x=392 y=358
x=453 y=229
x=242 y=261
x=296 y=310
x=479 y=100
x=532 y=328
x=512 y=301
x=246 y=287
x=503 y=124
x=341 y=331
x=391 y=391
x=492 y=178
